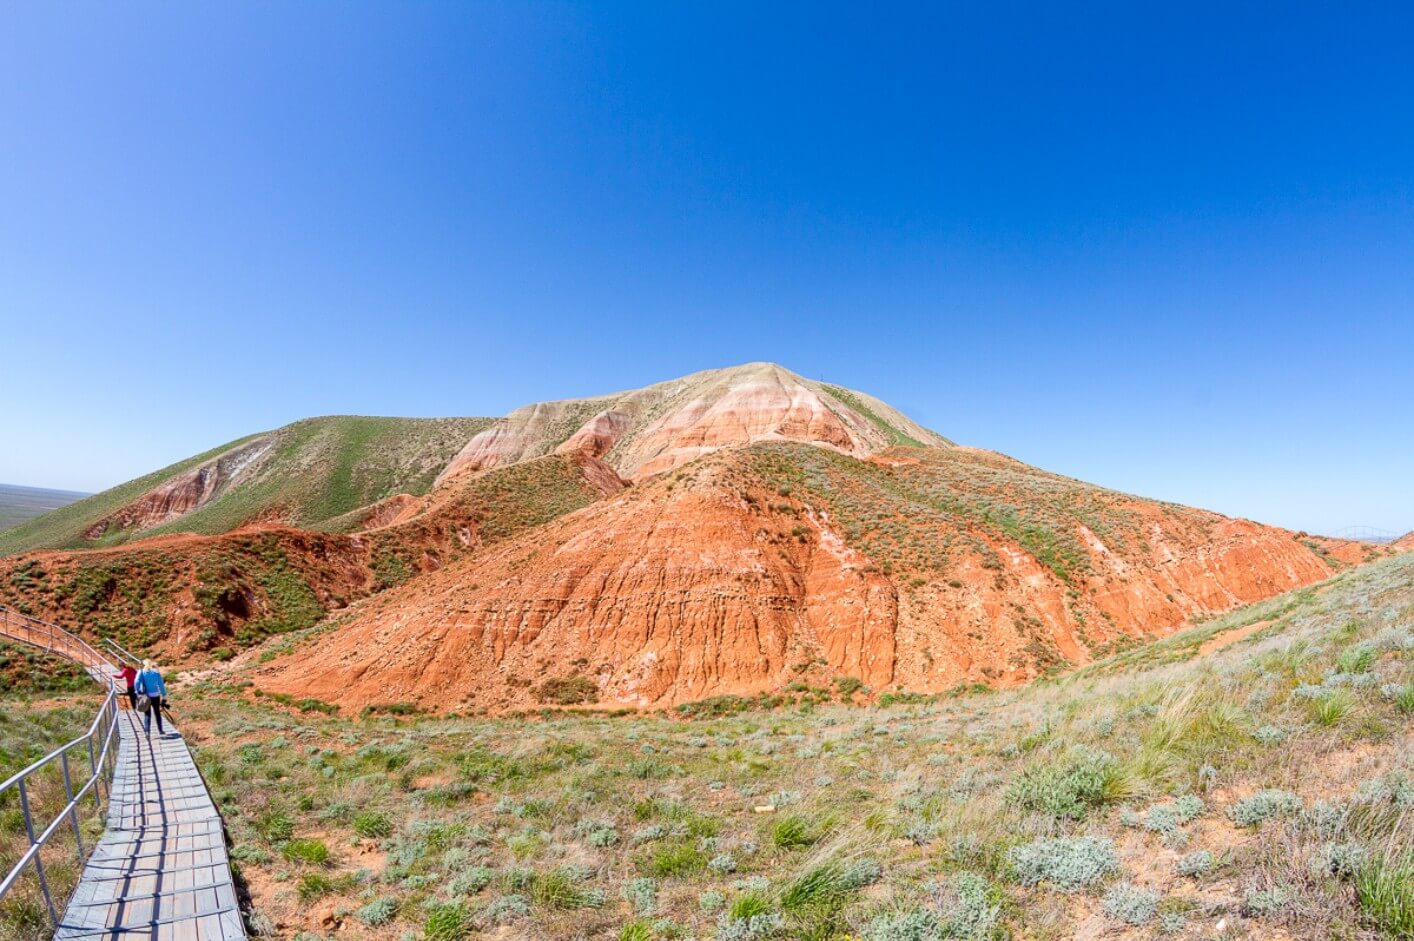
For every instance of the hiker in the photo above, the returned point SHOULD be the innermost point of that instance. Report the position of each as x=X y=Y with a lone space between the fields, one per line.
x=149 y=685
x=127 y=674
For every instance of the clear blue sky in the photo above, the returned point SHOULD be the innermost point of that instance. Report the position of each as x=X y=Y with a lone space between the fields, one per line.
x=1166 y=250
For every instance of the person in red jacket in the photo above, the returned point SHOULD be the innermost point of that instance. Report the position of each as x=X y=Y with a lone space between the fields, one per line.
x=127 y=674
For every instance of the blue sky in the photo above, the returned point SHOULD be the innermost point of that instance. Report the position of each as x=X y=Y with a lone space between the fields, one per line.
x=1166 y=249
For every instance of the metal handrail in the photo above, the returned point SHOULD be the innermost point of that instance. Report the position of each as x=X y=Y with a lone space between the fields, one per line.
x=102 y=761
x=122 y=652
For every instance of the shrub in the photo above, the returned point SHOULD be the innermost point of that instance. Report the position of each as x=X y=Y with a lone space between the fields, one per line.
x=472 y=880
x=642 y=894
x=378 y=912
x=1265 y=902
x=602 y=837
x=1167 y=818
x=1262 y=806
x=1339 y=859
x=1069 y=863
x=1196 y=864
x=1384 y=887
x=567 y=691
x=862 y=872
x=966 y=907
x=647 y=834
x=504 y=909
x=1172 y=922
x=722 y=864
x=372 y=823
x=1131 y=904
x=848 y=685
x=1271 y=735
x=1066 y=789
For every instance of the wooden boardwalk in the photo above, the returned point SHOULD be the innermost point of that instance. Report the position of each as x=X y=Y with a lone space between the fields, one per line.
x=160 y=872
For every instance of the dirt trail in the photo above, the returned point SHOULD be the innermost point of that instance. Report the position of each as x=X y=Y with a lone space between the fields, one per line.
x=1228 y=638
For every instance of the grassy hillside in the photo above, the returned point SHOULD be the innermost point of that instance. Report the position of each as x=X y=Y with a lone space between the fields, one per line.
x=63 y=527
x=1251 y=778
x=895 y=513
x=315 y=470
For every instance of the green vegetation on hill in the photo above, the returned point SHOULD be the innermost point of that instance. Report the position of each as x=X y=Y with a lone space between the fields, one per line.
x=245 y=589
x=1266 y=786
x=322 y=468
x=314 y=471
x=63 y=528
x=855 y=402
x=218 y=596
x=908 y=518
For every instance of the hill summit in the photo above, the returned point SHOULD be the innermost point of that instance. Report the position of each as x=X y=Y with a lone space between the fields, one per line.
x=655 y=429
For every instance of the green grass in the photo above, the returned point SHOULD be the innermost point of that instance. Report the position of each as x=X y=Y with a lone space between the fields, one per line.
x=313 y=852
x=853 y=401
x=1385 y=889
x=315 y=471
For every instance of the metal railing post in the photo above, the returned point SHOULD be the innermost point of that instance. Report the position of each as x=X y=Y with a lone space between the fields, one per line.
x=38 y=863
x=69 y=798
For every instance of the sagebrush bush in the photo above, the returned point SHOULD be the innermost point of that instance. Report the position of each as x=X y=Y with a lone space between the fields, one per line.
x=1195 y=864
x=1067 y=789
x=471 y=880
x=642 y=894
x=1131 y=904
x=1265 y=902
x=503 y=909
x=1069 y=863
x=965 y=907
x=1166 y=818
x=1262 y=806
x=378 y=912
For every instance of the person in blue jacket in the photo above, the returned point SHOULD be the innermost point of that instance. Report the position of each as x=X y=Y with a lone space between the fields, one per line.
x=149 y=683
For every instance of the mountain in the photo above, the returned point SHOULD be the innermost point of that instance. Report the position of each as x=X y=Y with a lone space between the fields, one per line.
x=734 y=531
